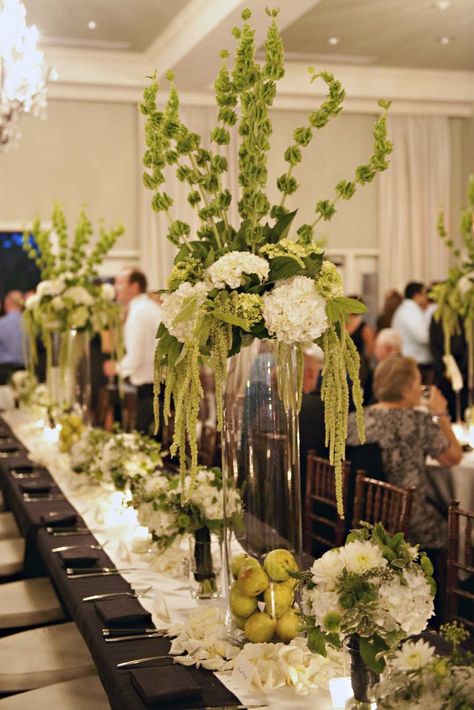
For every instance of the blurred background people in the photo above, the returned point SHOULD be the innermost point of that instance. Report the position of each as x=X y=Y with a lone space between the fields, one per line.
x=412 y=320
x=11 y=336
x=142 y=321
x=363 y=336
x=388 y=342
x=393 y=299
x=311 y=418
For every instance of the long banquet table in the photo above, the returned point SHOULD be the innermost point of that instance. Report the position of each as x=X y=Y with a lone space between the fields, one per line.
x=115 y=533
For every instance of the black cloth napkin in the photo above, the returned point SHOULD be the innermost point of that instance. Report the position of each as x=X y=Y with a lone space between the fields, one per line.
x=10 y=446
x=123 y=612
x=55 y=519
x=79 y=557
x=36 y=486
x=163 y=688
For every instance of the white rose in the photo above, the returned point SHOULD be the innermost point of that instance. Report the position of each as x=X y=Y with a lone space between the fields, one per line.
x=107 y=292
x=229 y=269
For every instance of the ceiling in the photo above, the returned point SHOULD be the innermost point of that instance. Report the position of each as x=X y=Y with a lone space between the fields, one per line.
x=403 y=33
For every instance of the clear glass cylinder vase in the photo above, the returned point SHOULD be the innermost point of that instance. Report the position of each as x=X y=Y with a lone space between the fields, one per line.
x=68 y=372
x=260 y=454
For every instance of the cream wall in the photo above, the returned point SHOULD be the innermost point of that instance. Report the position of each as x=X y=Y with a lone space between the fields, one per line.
x=83 y=153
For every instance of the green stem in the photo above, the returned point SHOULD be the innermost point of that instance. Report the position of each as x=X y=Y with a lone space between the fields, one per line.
x=206 y=201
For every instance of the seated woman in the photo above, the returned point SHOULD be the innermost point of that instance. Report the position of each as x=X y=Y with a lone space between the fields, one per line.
x=406 y=436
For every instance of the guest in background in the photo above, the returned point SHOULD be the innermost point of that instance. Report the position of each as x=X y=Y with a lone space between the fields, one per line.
x=458 y=349
x=407 y=436
x=363 y=336
x=387 y=343
x=311 y=418
x=392 y=300
x=143 y=319
x=11 y=336
x=412 y=320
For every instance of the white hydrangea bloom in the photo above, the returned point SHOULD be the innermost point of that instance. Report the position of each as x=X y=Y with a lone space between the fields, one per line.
x=79 y=295
x=294 y=311
x=50 y=287
x=412 y=656
x=410 y=611
x=57 y=303
x=229 y=269
x=360 y=557
x=466 y=283
x=162 y=523
x=107 y=291
x=32 y=301
x=172 y=305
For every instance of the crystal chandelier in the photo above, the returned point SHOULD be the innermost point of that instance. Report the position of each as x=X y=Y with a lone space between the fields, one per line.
x=22 y=73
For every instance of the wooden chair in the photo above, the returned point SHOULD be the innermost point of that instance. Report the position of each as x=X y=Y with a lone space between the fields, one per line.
x=323 y=529
x=377 y=501
x=460 y=564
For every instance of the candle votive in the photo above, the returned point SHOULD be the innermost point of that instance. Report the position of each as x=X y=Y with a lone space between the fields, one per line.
x=341 y=691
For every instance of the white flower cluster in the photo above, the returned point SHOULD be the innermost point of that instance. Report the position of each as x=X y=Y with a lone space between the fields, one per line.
x=203 y=637
x=209 y=499
x=294 y=311
x=64 y=302
x=161 y=523
x=466 y=283
x=229 y=269
x=404 y=600
x=173 y=303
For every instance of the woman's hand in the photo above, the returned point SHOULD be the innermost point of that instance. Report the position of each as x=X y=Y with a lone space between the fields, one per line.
x=436 y=403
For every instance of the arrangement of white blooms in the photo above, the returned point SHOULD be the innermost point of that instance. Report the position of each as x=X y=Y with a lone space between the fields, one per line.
x=69 y=295
x=116 y=458
x=420 y=678
x=168 y=510
x=203 y=637
x=232 y=283
x=23 y=384
x=376 y=586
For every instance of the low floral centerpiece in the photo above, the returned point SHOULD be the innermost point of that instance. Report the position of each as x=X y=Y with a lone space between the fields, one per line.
x=169 y=511
x=373 y=592
x=418 y=677
x=70 y=303
x=262 y=278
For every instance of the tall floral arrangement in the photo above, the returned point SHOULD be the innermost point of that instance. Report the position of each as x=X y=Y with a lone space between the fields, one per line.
x=455 y=296
x=69 y=295
x=261 y=278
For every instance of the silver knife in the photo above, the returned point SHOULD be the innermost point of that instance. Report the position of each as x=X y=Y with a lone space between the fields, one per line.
x=111 y=595
x=128 y=630
x=57 y=532
x=40 y=498
x=136 y=637
x=95 y=570
x=75 y=547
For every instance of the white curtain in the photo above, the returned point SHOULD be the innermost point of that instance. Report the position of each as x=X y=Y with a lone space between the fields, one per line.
x=156 y=251
x=411 y=193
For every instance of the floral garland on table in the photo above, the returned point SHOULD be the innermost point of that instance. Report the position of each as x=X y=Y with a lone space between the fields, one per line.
x=376 y=586
x=69 y=295
x=228 y=284
x=455 y=296
x=116 y=458
x=419 y=678
x=169 y=511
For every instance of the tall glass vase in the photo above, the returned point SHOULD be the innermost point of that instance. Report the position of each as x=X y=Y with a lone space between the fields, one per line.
x=68 y=372
x=260 y=452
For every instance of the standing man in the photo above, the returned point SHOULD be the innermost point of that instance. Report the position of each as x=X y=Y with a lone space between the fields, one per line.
x=412 y=320
x=11 y=336
x=143 y=319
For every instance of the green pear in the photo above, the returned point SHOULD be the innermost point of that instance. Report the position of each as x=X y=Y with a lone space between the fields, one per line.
x=241 y=605
x=252 y=580
x=277 y=563
x=288 y=626
x=278 y=597
x=240 y=560
x=260 y=627
x=239 y=621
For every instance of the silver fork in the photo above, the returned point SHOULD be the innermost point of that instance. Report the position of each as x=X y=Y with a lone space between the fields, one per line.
x=138 y=661
x=114 y=595
x=75 y=547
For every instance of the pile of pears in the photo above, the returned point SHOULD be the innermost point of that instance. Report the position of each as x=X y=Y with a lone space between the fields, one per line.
x=271 y=584
x=72 y=427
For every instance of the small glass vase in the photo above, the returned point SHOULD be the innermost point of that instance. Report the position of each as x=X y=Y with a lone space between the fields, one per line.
x=260 y=456
x=205 y=564
x=363 y=680
x=68 y=373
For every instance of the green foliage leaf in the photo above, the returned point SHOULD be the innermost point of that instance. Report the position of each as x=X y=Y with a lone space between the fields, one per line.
x=317 y=642
x=282 y=226
x=369 y=649
x=283 y=267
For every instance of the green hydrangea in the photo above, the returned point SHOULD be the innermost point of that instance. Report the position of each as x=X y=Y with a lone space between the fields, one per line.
x=247 y=306
x=329 y=283
x=189 y=270
x=287 y=247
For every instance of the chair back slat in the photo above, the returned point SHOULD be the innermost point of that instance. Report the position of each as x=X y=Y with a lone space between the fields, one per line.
x=322 y=528
x=377 y=501
x=459 y=599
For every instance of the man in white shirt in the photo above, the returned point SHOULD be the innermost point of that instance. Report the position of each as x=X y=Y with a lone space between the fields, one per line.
x=412 y=321
x=143 y=319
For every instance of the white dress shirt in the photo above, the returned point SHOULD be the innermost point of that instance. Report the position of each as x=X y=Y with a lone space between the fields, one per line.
x=143 y=319
x=413 y=324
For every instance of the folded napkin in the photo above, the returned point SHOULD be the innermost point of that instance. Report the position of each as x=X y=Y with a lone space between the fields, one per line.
x=36 y=486
x=123 y=612
x=55 y=519
x=79 y=557
x=9 y=446
x=176 y=683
